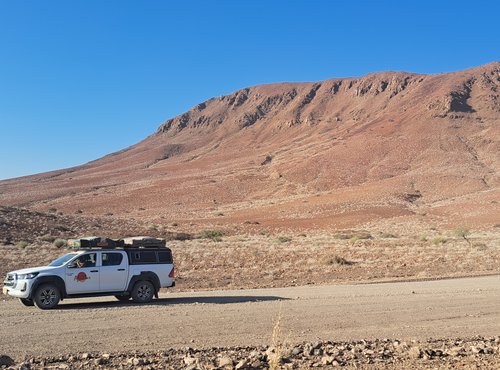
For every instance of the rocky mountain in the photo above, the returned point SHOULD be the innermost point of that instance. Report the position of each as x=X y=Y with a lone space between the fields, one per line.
x=335 y=153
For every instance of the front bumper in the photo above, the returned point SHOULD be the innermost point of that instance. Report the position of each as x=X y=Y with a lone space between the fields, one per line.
x=21 y=289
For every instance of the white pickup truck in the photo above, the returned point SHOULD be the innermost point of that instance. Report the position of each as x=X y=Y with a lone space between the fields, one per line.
x=130 y=271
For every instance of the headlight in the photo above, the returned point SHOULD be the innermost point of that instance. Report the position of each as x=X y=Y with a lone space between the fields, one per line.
x=27 y=276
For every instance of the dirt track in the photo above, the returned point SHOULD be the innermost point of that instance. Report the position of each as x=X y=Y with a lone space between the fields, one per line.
x=446 y=308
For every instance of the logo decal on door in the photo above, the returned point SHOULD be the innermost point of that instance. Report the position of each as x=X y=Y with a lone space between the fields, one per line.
x=81 y=277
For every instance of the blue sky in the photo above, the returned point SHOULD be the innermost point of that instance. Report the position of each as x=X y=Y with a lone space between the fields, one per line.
x=81 y=79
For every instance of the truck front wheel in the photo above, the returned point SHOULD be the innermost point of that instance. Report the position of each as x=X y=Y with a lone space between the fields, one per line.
x=143 y=291
x=47 y=296
x=26 y=302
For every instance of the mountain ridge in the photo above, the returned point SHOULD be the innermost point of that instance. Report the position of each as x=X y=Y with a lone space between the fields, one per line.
x=390 y=134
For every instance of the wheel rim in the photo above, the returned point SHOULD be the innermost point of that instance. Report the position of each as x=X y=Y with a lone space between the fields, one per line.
x=48 y=297
x=144 y=291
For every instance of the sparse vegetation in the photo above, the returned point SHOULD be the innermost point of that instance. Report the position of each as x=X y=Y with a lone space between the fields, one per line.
x=108 y=214
x=276 y=351
x=353 y=236
x=59 y=243
x=284 y=239
x=215 y=235
x=47 y=238
x=342 y=261
x=480 y=246
x=267 y=160
x=22 y=244
x=388 y=236
x=461 y=232
x=253 y=260
x=52 y=210
x=439 y=240
x=337 y=260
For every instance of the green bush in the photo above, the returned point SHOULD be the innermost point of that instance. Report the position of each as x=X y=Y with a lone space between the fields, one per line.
x=462 y=233
x=439 y=240
x=284 y=239
x=22 y=244
x=214 y=235
x=388 y=236
x=59 y=243
x=337 y=260
x=350 y=235
x=153 y=227
x=47 y=238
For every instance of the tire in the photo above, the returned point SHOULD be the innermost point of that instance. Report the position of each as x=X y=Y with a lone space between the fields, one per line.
x=27 y=302
x=143 y=291
x=123 y=298
x=47 y=296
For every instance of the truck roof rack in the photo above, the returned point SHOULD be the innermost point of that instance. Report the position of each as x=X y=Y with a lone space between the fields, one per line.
x=96 y=242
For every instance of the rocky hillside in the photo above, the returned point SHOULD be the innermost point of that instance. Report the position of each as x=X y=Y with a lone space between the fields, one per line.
x=334 y=153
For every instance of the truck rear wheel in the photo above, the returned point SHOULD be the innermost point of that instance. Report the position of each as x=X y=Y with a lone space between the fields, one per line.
x=143 y=291
x=47 y=296
x=27 y=302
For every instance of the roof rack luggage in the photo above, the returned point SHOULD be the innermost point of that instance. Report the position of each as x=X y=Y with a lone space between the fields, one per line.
x=144 y=242
x=96 y=242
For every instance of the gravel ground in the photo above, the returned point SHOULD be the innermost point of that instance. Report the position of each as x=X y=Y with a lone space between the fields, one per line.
x=238 y=323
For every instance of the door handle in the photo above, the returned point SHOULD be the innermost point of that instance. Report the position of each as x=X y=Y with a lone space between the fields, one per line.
x=94 y=270
x=121 y=269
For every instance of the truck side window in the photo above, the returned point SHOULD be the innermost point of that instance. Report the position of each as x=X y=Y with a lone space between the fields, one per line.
x=165 y=257
x=86 y=260
x=112 y=259
x=148 y=257
x=143 y=257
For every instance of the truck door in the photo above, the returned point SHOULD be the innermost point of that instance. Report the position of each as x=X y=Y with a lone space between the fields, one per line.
x=114 y=271
x=82 y=275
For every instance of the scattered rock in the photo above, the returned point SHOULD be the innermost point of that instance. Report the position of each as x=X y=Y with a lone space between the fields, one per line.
x=188 y=360
x=6 y=361
x=482 y=353
x=225 y=362
x=240 y=365
x=414 y=353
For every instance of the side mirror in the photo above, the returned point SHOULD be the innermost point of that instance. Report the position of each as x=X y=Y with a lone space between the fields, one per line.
x=72 y=265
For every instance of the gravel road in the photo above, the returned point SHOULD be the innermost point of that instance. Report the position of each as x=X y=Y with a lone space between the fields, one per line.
x=405 y=310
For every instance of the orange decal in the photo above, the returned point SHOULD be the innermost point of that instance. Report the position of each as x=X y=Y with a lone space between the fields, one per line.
x=81 y=277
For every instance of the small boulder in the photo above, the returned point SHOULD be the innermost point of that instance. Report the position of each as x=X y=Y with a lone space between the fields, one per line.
x=414 y=352
x=226 y=362
x=6 y=361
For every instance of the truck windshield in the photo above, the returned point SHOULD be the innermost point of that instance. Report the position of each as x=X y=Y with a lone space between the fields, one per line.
x=62 y=260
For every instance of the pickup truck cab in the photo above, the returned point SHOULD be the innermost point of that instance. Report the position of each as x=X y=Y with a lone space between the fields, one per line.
x=130 y=271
